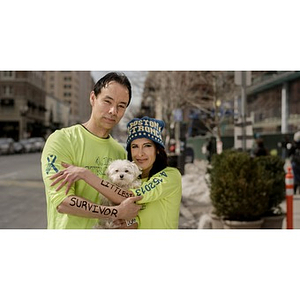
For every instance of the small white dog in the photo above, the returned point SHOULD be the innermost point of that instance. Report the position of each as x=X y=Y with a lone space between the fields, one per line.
x=125 y=174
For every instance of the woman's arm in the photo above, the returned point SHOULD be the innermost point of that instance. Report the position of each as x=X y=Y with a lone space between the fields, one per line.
x=73 y=173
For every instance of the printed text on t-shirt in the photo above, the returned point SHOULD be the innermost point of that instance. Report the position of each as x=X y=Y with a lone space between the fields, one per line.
x=150 y=185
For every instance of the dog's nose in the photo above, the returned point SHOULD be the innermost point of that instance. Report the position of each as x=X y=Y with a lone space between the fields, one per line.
x=121 y=176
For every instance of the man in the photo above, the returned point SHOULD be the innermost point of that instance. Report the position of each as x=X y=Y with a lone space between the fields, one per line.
x=88 y=145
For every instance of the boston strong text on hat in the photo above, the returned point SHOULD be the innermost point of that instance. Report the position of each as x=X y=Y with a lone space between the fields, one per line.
x=145 y=128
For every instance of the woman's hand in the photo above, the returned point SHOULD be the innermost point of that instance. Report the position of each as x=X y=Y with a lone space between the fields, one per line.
x=68 y=176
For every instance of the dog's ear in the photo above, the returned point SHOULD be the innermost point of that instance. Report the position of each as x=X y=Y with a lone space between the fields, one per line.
x=136 y=168
x=109 y=169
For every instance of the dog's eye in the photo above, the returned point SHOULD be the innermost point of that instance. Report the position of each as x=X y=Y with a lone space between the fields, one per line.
x=126 y=171
x=116 y=171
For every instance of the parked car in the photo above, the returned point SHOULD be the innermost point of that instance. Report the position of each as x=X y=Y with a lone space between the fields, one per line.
x=38 y=142
x=6 y=146
x=28 y=145
x=18 y=148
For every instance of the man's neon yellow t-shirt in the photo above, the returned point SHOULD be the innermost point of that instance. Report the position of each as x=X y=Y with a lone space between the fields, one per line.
x=161 y=200
x=77 y=146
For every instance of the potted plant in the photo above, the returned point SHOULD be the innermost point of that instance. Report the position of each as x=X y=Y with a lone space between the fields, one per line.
x=238 y=189
x=274 y=172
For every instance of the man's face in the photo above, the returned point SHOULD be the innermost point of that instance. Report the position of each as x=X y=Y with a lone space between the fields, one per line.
x=109 y=106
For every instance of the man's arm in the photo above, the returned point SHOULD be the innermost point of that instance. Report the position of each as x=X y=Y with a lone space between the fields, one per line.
x=81 y=207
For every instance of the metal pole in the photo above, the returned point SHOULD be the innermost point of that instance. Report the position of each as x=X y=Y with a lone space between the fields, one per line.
x=243 y=109
x=284 y=109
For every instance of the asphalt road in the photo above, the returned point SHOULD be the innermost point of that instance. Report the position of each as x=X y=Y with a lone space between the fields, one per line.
x=22 y=196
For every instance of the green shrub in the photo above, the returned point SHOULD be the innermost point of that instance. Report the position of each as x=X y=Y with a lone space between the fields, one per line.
x=239 y=186
x=274 y=167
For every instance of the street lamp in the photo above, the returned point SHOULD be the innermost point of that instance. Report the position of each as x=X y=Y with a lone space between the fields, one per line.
x=243 y=79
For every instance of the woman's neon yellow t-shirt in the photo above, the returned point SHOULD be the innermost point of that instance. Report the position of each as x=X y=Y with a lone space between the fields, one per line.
x=161 y=200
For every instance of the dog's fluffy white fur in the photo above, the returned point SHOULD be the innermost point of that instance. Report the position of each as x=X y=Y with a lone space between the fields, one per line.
x=125 y=174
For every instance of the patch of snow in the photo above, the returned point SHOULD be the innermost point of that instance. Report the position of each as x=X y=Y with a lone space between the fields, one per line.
x=194 y=184
x=205 y=222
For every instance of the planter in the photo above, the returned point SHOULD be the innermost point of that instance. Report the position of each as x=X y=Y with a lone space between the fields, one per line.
x=245 y=188
x=273 y=222
x=216 y=221
x=228 y=224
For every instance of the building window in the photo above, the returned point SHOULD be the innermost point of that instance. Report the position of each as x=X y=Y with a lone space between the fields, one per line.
x=7 y=73
x=7 y=90
x=260 y=117
x=7 y=102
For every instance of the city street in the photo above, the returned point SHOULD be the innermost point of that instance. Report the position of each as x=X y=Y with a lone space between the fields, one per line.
x=22 y=197
x=23 y=204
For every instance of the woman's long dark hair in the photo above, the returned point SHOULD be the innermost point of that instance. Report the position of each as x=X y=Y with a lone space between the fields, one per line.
x=161 y=160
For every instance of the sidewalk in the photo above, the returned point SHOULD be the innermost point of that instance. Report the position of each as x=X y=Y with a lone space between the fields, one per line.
x=191 y=212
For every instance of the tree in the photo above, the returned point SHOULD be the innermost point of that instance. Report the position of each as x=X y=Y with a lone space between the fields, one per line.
x=167 y=91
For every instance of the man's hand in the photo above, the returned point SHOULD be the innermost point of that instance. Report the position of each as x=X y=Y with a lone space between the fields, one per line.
x=128 y=209
x=67 y=176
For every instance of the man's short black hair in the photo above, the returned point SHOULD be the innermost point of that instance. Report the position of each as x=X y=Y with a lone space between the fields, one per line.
x=120 y=78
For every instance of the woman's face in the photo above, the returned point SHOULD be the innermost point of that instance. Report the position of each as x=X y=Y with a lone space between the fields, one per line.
x=143 y=152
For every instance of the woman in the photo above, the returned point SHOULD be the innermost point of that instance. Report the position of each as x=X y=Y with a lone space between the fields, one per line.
x=161 y=185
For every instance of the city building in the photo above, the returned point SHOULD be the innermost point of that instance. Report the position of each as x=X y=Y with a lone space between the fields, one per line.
x=272 y=100
x=34 y=103
x=73 y=88
x=57 y=114
x=22 y=103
